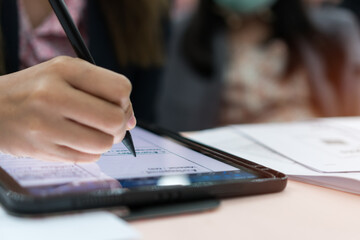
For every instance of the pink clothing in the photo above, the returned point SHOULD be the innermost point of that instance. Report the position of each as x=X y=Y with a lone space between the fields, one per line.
x=48 y=40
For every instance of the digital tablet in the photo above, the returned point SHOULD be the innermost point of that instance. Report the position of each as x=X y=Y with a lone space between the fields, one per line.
x=168 y=168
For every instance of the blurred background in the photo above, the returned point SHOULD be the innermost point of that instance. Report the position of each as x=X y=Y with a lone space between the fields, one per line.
x=232 y=62
x=198 y=64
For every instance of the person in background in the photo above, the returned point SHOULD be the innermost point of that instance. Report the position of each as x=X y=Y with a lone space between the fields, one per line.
x=352 y=5
x=63 y=108
x=181 y=8
x=249 y=61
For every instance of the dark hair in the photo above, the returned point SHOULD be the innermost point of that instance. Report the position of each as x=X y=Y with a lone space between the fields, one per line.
x=136 y=29
x=197 y=42
x=290 y=23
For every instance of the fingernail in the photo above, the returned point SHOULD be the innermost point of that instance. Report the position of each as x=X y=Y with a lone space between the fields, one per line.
x=132 y=122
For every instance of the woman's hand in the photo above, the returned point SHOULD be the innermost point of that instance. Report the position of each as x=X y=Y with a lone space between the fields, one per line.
x=64 y=110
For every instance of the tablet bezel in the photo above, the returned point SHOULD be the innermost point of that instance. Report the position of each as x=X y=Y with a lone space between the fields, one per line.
x=18 y=200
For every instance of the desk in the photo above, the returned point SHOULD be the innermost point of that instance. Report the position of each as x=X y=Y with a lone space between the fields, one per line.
x=301 y=211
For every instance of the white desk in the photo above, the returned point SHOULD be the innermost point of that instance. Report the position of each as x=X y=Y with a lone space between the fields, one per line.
x=301 y=211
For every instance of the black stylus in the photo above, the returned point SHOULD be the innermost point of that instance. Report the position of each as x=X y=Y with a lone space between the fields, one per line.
x=80 y=49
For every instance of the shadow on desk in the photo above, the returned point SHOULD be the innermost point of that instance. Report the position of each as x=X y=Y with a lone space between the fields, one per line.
x=301 y=211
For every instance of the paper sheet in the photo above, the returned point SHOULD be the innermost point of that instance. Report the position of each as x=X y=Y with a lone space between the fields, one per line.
x=322 y=145
x=231 y=140
x=87 y=226
x=274 y=150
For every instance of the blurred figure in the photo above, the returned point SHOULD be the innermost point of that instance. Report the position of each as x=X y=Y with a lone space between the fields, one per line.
x=320 y=2
x=251 y=61
x=181 y=8
x=353 y=5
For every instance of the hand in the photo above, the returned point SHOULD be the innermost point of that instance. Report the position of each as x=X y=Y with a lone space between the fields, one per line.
x=64 y=110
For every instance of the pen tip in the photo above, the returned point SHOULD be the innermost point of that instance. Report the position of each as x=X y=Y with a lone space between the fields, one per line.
x=128 y=142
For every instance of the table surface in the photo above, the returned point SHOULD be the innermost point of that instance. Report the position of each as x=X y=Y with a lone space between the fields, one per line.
x=301 y=211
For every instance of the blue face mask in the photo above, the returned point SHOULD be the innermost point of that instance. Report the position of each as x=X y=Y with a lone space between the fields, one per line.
x=245 y=6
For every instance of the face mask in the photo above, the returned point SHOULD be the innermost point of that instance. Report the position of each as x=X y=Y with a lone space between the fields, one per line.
x=245 y=6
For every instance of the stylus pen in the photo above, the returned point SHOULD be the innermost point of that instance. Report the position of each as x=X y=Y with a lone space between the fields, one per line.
x=80 y=49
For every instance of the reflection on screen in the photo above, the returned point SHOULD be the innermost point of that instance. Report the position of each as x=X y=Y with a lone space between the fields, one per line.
x=157 y=157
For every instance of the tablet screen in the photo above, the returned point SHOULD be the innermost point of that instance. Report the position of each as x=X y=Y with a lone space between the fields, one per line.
x=159 y=162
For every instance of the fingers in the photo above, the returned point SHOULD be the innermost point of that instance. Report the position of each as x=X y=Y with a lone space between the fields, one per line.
x=95 y=113
x=95 y=97
x=56 y=153
x=95 y=109
x=82 y=138
x=96 y=81
x=132 y=120
x=62 y=152
x=64 y=110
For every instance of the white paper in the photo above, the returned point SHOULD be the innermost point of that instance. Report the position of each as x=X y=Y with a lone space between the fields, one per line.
x=231 y=140
x=87 y=226
x=239 y=140
x=322 y=145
